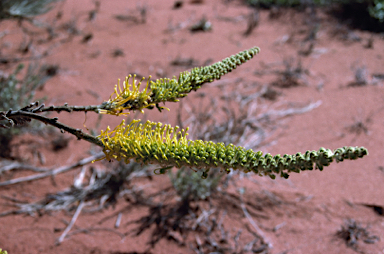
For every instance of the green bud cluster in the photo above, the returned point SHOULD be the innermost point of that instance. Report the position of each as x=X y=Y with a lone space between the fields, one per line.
x=166 y=146
x=171 y=89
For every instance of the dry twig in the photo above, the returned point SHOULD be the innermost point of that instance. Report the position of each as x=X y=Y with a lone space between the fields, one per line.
x=55 y=171
x=70 y=225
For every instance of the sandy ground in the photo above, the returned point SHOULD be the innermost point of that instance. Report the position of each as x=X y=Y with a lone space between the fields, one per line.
x=300 y=215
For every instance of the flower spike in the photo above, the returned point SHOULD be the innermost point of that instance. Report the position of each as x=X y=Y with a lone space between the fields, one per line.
x=167 y=146
x=169 y=90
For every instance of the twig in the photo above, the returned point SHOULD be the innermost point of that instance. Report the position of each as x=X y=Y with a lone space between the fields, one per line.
x=253 y=21
x=65 y=107
x=203 y=216
x=70 y=225
x=78 y=182
x=54 y=172
x=289 y=111
x=87 y=230
x=118 y=220
x=236 y=239
x=18 y=165
x=254 y=225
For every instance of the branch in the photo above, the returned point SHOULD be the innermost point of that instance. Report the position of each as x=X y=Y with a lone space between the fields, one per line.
x=69 y=109
x=27 y=113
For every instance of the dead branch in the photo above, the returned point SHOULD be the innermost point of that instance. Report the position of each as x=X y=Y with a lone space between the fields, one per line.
x=55 y=171
x=8 y=166
x=260 y=233
x=70 y=225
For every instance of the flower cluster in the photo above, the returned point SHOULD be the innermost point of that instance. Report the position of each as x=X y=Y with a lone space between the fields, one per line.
x=170 y=90
x=127 y=98
x=168 y=146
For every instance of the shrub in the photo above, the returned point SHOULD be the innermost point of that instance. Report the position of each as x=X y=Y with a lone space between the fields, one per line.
x=15 y=93
x=372 y=8
x=376 y=10
x=24 y=8
x=190 y=187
